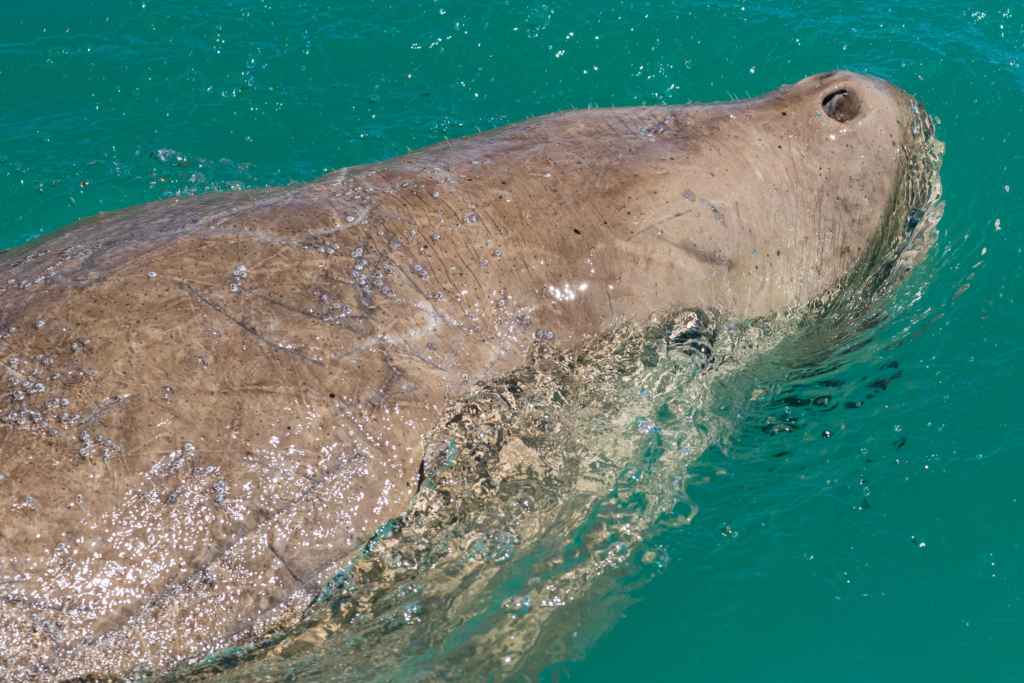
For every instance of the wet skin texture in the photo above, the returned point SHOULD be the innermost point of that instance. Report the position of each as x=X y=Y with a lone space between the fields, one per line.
x=212 y=403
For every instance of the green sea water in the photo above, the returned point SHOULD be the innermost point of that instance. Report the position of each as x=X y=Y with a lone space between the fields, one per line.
x=871 y=542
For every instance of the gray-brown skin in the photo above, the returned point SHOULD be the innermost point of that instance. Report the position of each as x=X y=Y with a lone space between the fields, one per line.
x=190 y=450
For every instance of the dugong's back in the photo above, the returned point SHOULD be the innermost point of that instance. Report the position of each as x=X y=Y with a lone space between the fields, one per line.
x=212 y=405
x=184 y=443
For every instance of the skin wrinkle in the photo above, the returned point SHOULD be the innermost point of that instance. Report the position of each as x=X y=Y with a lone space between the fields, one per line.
x=305 y=489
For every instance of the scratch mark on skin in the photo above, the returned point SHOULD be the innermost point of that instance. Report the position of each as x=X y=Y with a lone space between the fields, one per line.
x=700 y=254
x=377 y=403
x=16 y=372
x=285 y=564
x=15 y=600
x=431 y=309
x=251 y=331
x=175 y=587
x=715 y=212
x=657 y=223
x=413 y=354
x=260 y=236
x=102 y=409
x=506 y=340
x=258 y=295
x=358 y=541
x=353 y=285
x=282 y=470
x=611 y=309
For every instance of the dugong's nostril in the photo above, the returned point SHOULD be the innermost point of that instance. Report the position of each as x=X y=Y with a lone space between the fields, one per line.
x=841 y=105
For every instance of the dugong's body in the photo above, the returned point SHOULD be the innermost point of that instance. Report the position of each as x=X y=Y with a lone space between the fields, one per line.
x=212 y=403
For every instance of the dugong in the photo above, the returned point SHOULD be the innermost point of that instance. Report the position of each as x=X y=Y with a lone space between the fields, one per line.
x=211 y=403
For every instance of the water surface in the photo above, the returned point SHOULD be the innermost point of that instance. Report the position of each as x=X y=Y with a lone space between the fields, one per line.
x=879 y=541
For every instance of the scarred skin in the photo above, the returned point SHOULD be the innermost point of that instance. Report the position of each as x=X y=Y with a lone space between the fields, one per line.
x=190 y=449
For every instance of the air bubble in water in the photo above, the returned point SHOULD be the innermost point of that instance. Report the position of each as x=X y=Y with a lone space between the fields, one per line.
x=517 y=604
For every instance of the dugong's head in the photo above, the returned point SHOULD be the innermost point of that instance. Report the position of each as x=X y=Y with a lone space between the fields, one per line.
x=883 y=143
x=825 y=183
x=870 y=116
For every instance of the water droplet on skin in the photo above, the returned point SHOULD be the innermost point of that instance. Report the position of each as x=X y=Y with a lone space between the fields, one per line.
x=436 y=194
x=40 y=323
x=151 y=274
x=435 y=237
x=350 y=218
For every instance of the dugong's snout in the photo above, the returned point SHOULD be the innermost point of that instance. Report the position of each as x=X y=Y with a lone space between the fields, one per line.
x=888 y=131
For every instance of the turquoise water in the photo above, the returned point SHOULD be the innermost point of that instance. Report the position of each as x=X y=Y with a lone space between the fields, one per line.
x=888 y=550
